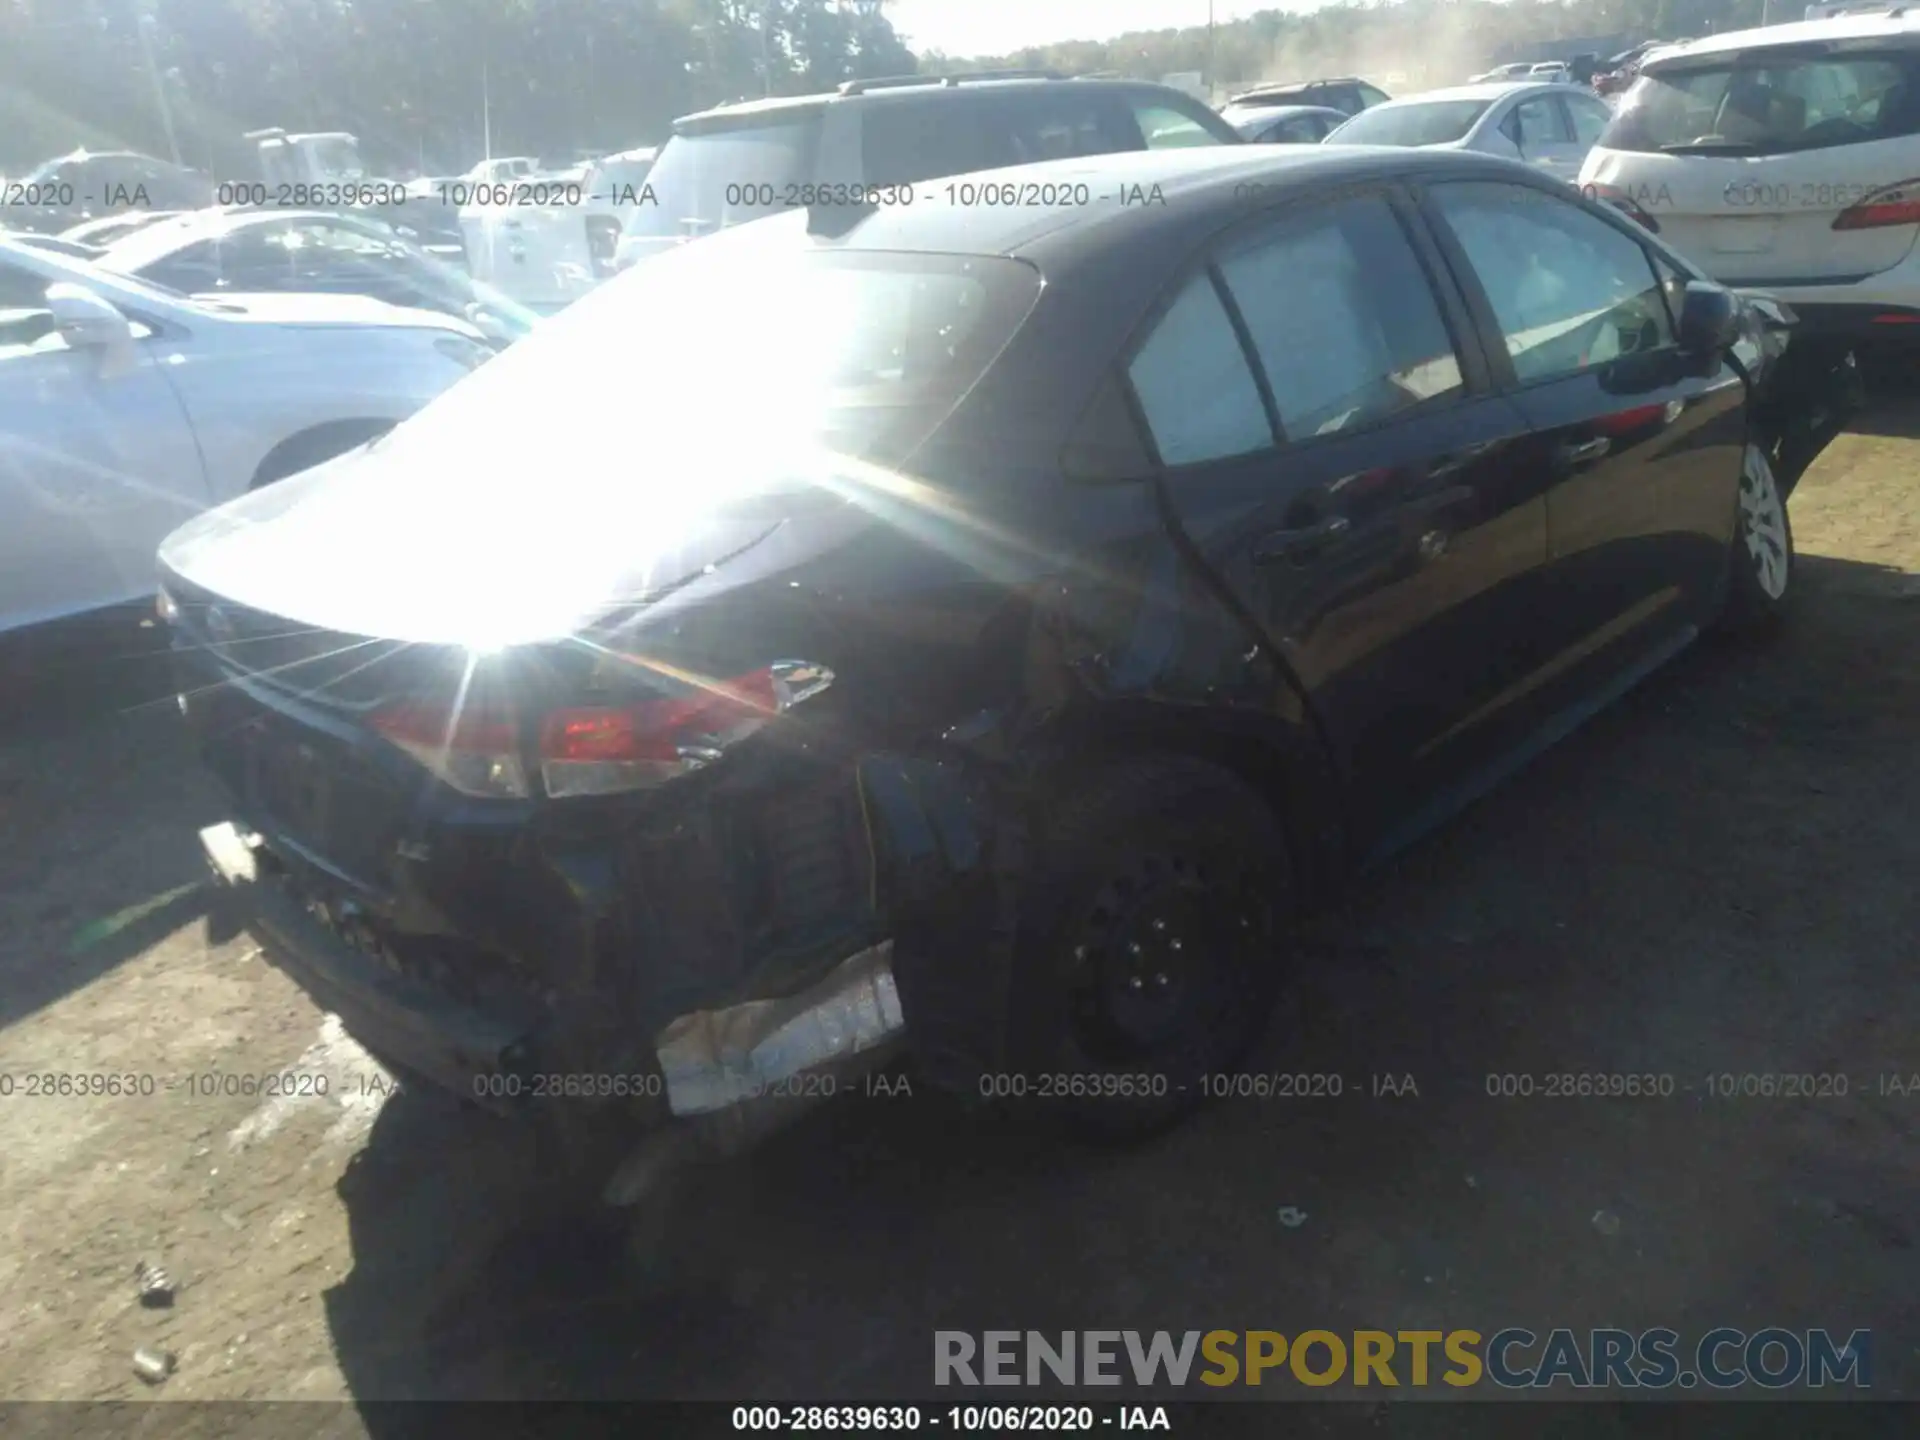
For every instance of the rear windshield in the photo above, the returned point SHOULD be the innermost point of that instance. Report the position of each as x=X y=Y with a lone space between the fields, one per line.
x=715 y=178
x=729 y=362
x=1437 y=122
x=1761 y=105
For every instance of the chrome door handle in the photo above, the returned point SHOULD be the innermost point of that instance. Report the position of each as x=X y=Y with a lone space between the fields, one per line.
x=1583 y=452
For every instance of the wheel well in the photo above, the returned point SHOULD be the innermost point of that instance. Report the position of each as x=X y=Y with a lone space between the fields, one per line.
x=307 y=448
x=1293 y=777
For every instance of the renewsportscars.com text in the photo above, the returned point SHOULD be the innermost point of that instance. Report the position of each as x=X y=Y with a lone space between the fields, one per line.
x=1773 y=1358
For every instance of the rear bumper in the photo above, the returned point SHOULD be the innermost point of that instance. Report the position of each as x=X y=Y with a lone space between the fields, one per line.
x=457 y=1047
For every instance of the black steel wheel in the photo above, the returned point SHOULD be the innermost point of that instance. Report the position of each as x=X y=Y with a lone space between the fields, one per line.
x=1156 y=945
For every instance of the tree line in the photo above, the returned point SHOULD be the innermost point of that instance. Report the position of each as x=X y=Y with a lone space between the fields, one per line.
x=430 y=86
x=427 y=85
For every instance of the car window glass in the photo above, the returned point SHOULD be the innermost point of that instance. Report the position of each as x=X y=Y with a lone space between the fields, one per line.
x=1195 y=389
x=191 y=268
x=1058 y=126
x=1164 y=128
x=1343 y=320
x=1568 y=291
x=1762 y=106
x=1371 y=94
x=1589 y=119
x=1541 y=122
x=904 y=143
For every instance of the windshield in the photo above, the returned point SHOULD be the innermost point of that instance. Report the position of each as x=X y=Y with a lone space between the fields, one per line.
x=706 y=181
x=1757 y=105
x=724 y=364
x=1437 y=122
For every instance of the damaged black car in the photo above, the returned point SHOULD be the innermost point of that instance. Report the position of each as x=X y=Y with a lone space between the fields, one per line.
x=966 y=633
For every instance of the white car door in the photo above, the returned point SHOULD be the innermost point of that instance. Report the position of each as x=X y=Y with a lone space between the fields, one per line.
x=98 y=462
x=1540 y=128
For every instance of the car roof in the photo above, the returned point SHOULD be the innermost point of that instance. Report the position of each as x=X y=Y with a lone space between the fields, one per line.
x=1266 y=113
x=935 y=88
x=1892 y=24
x=1201 y=189
x=1486 y=90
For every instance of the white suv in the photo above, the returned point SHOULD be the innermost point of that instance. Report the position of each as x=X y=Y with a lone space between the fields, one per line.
x=1786 y=159
x=127 y=409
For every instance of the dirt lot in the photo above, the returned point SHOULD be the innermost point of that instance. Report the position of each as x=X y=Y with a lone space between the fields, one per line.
x=1716 y=876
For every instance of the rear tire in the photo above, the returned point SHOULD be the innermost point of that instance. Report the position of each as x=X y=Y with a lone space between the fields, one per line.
x=1760 y=582
x=1156 y=918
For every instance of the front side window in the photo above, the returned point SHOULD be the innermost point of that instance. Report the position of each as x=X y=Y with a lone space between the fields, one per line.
x=1568 y=291
x=1191 y=377
x=1343 y=320
x=1761 y=106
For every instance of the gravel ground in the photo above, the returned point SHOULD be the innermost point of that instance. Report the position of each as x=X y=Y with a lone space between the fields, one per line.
x=1715 y=876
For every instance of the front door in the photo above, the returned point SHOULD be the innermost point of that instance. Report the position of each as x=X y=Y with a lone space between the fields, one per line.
x=97 y=466
x=1640 y=447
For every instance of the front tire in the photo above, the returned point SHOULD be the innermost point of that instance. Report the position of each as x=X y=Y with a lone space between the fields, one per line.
x=1761 y=579
x=1157 y=915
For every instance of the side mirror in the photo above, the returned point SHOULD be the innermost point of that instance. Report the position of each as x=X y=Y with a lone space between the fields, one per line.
x=1709 y=320
x=85 y=321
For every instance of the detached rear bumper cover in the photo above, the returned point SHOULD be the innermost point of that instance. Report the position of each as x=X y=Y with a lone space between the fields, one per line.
x=451 y=1044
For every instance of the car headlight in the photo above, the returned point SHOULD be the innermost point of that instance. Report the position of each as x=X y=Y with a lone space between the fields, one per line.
x=462 y=351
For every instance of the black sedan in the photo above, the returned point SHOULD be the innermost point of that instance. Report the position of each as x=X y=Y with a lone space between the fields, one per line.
x=982 y=629
x=251 y=251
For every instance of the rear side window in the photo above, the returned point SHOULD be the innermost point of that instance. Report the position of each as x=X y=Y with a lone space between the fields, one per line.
x=1343 y=320
x=1370 y=95
x=711 y=178
x=1164 y=128
x=1301 y=130
x=1191 y=377
x=1431 y=122
x=1539 y=121
x=1057 y=124
x=901 y=143
x=1568 y=291
x=1761 y=106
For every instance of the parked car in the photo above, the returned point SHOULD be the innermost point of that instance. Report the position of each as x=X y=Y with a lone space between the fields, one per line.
x=116 y=227
x=1786 y=157
x=310 y=251
x=1348 y=94
x=503 y=169
x=126 y=408
x=547 y=254
x=1549 y=124
x=1043 y=641
x=56 y=244
x=1554 y=70
x=1289 y=124
x=68 y=189
x=888 y=139
x=1516 y=71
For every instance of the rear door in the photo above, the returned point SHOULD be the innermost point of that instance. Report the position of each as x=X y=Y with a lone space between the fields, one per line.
x=1329 y=448
x=1747 y=161
x=1639 y=449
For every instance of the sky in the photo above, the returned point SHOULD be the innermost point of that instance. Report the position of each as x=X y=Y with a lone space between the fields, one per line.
x=994 y=27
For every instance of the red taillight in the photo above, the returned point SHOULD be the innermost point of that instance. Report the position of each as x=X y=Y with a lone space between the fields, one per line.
x=604 y=749
x=598 y=749
x=1889 y=205
x=476 y=750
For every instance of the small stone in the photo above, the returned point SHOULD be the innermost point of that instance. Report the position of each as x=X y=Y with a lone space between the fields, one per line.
x=153 y=1366
x=1606 y=1222
x=1291 y=1216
